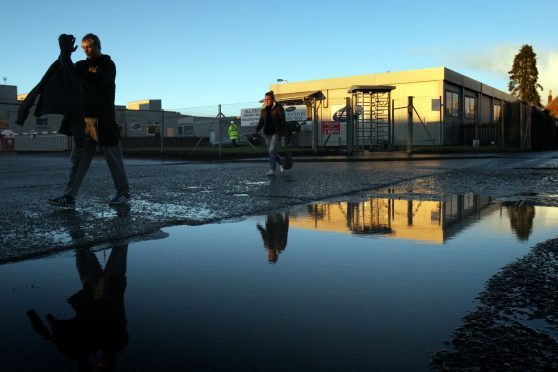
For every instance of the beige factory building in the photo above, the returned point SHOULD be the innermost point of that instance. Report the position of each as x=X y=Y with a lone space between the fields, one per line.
x=443 y=100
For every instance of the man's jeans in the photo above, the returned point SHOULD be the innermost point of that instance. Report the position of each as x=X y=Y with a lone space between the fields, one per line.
x=81 y=160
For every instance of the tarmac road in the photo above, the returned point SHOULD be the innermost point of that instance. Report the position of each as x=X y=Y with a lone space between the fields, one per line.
x=167 y=193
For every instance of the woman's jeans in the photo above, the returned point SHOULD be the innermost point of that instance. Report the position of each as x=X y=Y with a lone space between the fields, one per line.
x=273 y=141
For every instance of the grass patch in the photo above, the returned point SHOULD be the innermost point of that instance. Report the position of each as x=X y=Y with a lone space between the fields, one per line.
x=460 y=149
x=208 y=152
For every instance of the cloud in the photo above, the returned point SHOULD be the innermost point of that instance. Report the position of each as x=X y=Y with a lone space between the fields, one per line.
x=497 y=61
x=547 y=63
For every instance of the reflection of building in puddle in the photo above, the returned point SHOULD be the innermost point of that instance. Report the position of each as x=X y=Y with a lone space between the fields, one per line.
x=426 y=220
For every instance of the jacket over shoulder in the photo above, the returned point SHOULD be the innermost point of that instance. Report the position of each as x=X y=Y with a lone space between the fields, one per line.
x=57 y=93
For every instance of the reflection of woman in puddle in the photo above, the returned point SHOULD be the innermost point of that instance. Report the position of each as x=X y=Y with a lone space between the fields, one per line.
x=100 y=320
x=275 y=234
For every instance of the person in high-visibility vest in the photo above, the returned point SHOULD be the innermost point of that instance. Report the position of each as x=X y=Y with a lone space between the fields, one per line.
x=233 y=133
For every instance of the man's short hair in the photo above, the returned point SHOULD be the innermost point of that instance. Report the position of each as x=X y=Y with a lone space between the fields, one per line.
x=271 y=95
x=95 y=39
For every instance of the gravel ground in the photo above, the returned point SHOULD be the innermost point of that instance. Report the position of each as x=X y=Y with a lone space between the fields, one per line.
x=516 y=323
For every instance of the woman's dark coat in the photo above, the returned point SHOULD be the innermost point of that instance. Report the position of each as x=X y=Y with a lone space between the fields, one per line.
x=275 y=119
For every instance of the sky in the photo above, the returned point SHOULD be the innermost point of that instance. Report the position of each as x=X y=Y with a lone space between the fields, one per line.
x=207 y=52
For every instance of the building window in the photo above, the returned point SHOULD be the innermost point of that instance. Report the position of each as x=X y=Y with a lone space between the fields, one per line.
x=153 y=130
x=452 y=104
x=4 y=122
x=497 y=112
x=189 y=130
x=180 y=131
x=470 y=107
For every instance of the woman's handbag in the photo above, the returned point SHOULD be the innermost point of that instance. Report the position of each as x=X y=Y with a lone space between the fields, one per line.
x=287 y=161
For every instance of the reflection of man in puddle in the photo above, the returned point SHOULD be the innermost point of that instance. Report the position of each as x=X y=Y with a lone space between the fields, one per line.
x=100 y=320
x=275 y=234
x=77 y=226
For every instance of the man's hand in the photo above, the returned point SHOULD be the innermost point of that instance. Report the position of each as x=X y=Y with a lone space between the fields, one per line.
x=66 y=43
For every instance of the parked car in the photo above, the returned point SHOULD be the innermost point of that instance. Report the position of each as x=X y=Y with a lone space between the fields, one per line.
x=7 y=133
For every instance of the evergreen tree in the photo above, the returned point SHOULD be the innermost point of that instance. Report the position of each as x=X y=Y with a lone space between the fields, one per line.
x=524 y=76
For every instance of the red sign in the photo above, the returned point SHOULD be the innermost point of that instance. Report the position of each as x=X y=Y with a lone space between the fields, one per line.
x=331 y=127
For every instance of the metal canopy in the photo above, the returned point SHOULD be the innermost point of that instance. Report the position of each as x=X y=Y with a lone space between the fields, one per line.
x=371 y=88
x=314 y=94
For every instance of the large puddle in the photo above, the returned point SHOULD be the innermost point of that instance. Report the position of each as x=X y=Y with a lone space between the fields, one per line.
x=378 y=284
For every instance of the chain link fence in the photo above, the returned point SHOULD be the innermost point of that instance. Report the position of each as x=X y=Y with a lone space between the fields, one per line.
x=320 y=125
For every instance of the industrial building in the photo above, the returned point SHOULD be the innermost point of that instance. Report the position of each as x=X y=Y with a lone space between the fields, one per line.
x=443 y=101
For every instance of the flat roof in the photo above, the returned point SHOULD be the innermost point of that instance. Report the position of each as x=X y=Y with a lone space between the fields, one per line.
x=316 y=94
x=371 y=88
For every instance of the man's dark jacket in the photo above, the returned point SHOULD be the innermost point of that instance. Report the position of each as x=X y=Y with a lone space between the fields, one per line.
x=84 y=89
x=97 y=88
x=58 y=93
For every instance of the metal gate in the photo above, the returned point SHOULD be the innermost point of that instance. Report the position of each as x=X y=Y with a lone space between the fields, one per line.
x=372 y=121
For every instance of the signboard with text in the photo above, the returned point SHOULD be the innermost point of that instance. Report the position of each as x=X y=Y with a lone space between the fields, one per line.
x=331 y=127
x=295 y=113
x=251 y=116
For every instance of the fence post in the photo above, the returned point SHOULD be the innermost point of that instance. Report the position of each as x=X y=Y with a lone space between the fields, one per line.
x=441 y=143
x=502 y=116
x=410 y=125
x=392 y=126
x=315 y=127
x=219 y=134
x=350 y=126
x=162 y=131
x=521 y=127
x=476 y=139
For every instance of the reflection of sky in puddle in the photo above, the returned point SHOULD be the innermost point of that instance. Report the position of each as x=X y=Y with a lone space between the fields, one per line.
x=209 y=297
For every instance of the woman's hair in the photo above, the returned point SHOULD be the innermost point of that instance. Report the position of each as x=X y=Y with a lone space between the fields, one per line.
x=95 y=39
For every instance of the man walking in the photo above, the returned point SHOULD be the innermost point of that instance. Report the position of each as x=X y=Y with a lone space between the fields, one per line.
x=96 y=75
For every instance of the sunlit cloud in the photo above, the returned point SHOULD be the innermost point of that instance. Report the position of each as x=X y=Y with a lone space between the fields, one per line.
x=497 y=61
x=548 y=72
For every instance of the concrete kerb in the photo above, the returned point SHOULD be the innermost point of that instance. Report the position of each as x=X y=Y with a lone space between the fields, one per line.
x=376 y=157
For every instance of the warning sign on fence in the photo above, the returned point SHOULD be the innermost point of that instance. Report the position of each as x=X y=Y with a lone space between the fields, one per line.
x=331 y=127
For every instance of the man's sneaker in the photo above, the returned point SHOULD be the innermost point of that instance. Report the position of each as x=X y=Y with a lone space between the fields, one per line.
x=120 y=199
x=64 y=201
x=271 y=172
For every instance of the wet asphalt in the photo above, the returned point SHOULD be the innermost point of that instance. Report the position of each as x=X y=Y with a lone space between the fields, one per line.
x=169 y=193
